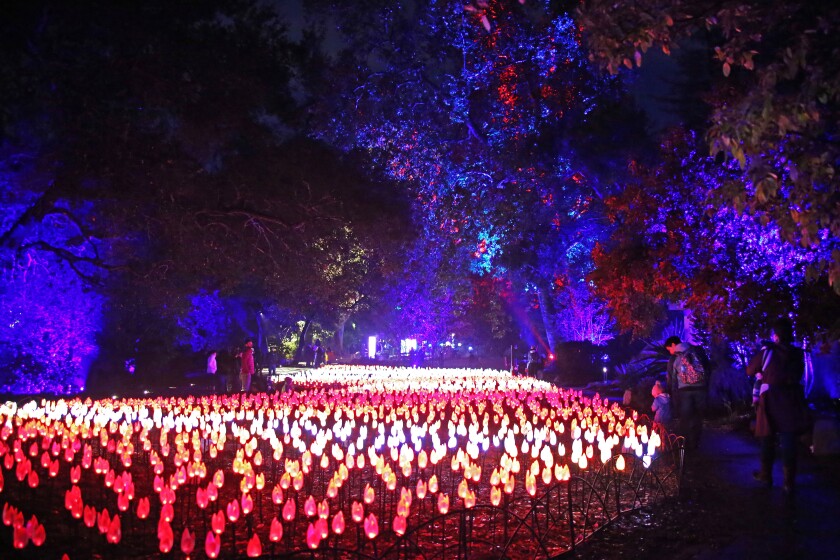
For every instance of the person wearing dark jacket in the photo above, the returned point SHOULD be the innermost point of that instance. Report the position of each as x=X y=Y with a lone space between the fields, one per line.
x=688 y=382
x=781 y=404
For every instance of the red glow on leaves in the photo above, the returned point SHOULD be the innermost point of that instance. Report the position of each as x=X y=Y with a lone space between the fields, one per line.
x=507 y=87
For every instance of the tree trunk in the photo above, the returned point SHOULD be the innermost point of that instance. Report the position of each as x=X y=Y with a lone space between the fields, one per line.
x=339 y=335
x=307 y=321
x=547 y=313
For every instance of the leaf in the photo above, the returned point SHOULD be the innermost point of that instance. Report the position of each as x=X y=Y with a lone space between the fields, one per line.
x=726 y=69
x=738 y=154
x=638 y=58
x=784 y=124
x=485 y=22
x=759 y=193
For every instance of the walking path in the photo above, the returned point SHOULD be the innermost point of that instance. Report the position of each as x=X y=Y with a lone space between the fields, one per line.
x=723 y=513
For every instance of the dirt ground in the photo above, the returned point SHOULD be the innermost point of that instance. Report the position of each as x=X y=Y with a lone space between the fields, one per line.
x=723 y=513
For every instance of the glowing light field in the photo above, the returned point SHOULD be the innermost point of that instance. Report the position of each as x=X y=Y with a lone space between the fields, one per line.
x=355 y=463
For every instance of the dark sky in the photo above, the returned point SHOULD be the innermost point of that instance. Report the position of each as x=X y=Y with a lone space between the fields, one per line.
x=651 y=84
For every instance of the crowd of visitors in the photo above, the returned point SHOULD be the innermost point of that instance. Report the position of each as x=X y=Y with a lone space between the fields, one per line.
x=237 y=369
x=781 y=412
x=679 y=404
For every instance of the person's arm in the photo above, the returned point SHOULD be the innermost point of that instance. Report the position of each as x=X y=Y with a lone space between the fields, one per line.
x=755 y=364
x=704 y=360
x=797 y=366
x=669 y=375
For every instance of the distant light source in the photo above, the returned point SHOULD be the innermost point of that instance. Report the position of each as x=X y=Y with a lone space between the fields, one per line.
x=371 y=347
x=407 y=345
x=551 y=356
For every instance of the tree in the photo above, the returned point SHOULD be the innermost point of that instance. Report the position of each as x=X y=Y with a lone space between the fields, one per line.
x=484 y=115
x=163 y=164
x=668 y=244
x=775 y=110
x=49 y=325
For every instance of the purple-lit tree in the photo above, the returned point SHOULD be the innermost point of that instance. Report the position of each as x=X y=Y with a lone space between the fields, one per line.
x=485 y=113
x=669 y=244
x=48 y=327
x=49 y=257
x=168 y=166
x=775 y=108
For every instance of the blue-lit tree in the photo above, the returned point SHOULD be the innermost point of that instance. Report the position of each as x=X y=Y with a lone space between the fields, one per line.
x=486 y=114
x=774 y=109
x=50 y=258
x=50 y=323
x=159 y=193
x=670 y=244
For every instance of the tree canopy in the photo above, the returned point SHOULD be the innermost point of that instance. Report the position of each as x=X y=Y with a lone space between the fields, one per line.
x=151 y=152
x=775 y=113
x=184 y=175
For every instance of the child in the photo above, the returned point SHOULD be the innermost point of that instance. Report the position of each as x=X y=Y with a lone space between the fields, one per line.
x=661 y=406
x=288 y=385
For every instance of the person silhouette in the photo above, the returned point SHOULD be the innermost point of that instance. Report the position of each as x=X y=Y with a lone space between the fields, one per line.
x=782 y=410
x=246 y=367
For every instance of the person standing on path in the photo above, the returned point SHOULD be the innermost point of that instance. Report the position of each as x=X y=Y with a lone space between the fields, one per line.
x=228 y=369
x=213 y=368
x=688 y=379
x=533 y=366
x=318 y=354
x=661 y=407
x=246 y=368
x=781 y=404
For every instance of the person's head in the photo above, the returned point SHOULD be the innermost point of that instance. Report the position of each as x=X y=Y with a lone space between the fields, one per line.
x=249 y=344
x=656 y=390
x=671 y=344
x=782 y=331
